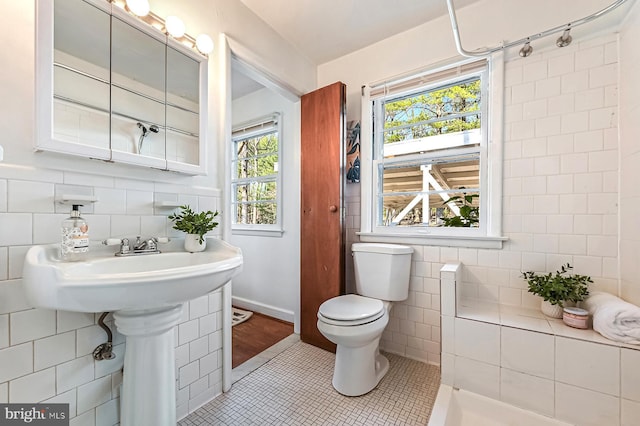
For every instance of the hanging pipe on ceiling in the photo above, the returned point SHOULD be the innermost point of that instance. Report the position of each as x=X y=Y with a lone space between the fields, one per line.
x=525 y=51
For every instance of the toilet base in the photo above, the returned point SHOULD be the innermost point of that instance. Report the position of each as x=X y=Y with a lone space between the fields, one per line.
x=356 y=371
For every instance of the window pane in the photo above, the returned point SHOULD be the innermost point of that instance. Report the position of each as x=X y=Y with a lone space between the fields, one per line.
x=410 y=190
x=256 y=214
x=463 y=210
x=256 y=191
x=447 y=110
x=257 y=166
x=258 y=146
x=257 y=156
x=255 y=169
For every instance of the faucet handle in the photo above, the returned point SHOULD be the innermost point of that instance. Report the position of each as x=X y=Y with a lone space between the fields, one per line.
x=124 y=244
x=124 y=247
x=162 y=240
x=112 y=241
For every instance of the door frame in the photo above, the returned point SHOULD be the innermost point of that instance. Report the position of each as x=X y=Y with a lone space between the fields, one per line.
x=231 y=51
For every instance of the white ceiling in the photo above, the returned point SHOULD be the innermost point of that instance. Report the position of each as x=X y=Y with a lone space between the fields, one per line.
x=324 y=30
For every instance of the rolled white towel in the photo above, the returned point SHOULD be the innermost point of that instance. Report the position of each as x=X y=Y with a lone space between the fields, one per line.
x=614 y=318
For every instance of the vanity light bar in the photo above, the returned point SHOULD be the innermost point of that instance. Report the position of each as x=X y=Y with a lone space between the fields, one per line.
x=203 y=44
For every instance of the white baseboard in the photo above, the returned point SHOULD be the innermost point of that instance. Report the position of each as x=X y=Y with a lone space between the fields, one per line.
x=261 y=308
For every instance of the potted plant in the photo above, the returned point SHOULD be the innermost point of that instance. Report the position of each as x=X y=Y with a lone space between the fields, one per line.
x=469 y=213
x=557 y=289
x=195 y=225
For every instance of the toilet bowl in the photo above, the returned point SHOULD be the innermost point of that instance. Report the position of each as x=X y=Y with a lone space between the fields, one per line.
x=355 y=322
x=359 y=366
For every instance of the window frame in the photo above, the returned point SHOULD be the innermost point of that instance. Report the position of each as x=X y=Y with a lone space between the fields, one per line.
x=260 y=126
x=488 y=235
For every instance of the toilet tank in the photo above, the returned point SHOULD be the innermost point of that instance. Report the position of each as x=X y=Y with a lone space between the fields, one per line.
x=382 y=270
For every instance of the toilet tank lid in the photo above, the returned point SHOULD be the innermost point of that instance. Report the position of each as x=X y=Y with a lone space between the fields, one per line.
x=382 y=248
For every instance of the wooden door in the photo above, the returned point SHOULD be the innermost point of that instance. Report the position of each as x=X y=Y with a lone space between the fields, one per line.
x=321 y=231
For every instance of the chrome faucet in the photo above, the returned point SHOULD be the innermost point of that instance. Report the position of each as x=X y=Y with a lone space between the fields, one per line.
x=148 y=246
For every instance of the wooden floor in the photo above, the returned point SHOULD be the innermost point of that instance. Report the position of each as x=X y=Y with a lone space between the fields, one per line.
x=255 y=335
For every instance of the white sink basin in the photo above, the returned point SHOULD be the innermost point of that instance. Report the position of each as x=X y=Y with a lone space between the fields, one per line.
x=146 y=292
x=107 y=283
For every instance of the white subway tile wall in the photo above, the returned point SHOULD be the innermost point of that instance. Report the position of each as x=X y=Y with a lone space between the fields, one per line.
x=45 y=355
x=586 y=407
x=559 y=193
x=33 y=387
x=544 y=365
x=629 y=104
x=630 y=413
x=526 y=391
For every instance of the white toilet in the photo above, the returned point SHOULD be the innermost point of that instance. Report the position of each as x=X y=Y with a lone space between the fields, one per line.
x=355 y=322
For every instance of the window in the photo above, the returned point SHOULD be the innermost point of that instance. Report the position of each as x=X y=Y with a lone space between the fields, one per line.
x=430 y=155
x=256 y=186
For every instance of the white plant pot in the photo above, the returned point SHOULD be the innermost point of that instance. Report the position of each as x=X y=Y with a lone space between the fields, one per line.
x=553 y=311
x=192 y=243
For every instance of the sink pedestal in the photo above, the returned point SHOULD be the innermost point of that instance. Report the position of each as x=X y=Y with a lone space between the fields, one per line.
x=149 y=382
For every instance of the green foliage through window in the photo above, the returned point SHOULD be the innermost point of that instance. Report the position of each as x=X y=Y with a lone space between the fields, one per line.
x=255 y=179
x=469 y=212
x=429 y=154
x=446 y=110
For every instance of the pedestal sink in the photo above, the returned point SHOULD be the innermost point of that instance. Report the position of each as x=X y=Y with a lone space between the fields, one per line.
x=146 y=295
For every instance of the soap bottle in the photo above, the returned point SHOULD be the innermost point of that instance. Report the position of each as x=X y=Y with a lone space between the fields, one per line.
x=75 y=236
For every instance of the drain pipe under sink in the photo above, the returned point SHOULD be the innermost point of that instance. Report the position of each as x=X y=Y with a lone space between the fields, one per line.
x=104 y=350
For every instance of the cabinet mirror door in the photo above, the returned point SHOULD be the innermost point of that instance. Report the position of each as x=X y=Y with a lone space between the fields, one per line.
x=183 y=107
x=81 y=62
x=138 y=79
x=113 y=87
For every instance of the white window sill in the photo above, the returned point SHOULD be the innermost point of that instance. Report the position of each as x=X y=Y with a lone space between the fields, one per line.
x=255 y=232
x=433 y=240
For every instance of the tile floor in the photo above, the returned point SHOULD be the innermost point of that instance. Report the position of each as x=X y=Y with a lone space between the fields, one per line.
x=294 y=388
x=263 y=357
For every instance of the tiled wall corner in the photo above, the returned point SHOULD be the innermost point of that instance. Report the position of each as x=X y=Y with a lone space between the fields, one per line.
x=550 y=375
x=542 y=371
x=559 y=193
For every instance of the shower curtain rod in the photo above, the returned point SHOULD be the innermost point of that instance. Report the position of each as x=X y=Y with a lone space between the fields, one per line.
x=485 y=52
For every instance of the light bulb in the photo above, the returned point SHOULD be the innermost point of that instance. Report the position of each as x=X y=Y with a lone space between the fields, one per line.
x=204 y=44
x=138 y=7
x=174 y=26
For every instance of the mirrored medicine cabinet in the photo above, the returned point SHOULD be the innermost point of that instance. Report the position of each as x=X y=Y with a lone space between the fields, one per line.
x=111 y=87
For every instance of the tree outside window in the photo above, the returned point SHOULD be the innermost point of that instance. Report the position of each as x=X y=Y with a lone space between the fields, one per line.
x=430 y=165
x=255 y=179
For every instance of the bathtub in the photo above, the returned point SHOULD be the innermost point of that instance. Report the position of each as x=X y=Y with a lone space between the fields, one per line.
x=457 y=407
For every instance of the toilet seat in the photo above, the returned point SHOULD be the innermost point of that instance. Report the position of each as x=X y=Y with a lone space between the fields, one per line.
x=351 y=310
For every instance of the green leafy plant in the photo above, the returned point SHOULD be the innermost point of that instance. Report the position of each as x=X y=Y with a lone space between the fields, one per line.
x=559 y=287
x=469 y=214
x=194 y=223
